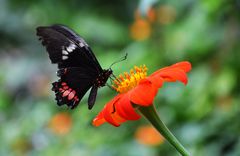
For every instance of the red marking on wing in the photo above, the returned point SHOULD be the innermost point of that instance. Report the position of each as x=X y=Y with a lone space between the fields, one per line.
x=64 y=83
x=65 y=94
x=76 y=98
x=71 y=95
x=65 y=87
x=69 y=92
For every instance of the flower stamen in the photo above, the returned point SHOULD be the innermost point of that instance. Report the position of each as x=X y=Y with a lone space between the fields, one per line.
x=127 y=81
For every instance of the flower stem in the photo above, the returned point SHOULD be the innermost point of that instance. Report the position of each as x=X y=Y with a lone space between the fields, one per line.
x=151 y=115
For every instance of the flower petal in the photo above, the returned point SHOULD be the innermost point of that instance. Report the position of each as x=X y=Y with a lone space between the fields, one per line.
x=99 y=120
x=106 y=113
x=125 y=109
x=172 y=75
x=144 y=93
x=156 y=81
x=184 y=65
x=108 y=110
x=118 y=118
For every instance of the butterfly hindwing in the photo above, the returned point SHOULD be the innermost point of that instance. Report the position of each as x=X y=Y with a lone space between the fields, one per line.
x=72 y=85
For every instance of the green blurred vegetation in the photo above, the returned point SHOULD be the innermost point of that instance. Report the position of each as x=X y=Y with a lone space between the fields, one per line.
x=203 y=115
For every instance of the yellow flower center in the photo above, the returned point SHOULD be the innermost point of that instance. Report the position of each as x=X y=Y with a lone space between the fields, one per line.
x=127 y=81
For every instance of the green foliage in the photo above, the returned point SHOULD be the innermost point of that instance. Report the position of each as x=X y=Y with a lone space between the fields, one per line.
x=203 y=115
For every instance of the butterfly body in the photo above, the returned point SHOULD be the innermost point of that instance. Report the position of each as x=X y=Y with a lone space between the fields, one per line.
x=79 y=69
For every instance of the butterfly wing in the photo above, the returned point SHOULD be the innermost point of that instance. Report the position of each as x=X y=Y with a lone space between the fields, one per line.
x=66 y=48
x=78 y=66
x=79 y=41
x=72 y=85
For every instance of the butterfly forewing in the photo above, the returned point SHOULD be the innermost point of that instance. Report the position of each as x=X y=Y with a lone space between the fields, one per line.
x=78 y=66
x=67 y=49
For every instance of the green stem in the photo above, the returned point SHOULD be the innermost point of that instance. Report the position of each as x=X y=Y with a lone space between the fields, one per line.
x=151 y=115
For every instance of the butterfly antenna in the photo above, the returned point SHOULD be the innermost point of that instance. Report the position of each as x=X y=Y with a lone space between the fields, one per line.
x=120 y=60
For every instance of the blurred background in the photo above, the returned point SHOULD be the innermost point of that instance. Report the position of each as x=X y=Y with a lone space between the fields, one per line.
x=204 y=115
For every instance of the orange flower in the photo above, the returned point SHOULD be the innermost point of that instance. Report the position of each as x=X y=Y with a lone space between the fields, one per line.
x=148 y=135
x=140 y=29
x=137 y=90
x=150 y=15
x=61 y=123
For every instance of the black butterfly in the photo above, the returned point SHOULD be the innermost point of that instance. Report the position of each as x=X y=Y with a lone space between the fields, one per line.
x=79 y=69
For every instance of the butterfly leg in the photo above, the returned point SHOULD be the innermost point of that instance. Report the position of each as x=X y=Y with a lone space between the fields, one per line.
x=115 y=78
x=111 y=80
x=109 y=86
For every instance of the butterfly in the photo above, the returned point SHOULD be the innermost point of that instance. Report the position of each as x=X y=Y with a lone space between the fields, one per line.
x=78 y=68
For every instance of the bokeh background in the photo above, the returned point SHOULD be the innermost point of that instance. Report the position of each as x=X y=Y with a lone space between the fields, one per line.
x=204 y=115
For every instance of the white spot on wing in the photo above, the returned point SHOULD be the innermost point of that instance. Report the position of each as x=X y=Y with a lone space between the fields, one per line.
x=71 y=47
x=64 y=52
x=64 y=57
x=81 y=44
